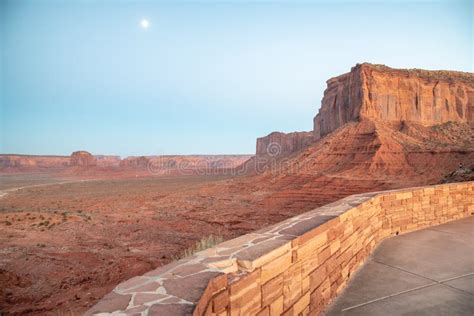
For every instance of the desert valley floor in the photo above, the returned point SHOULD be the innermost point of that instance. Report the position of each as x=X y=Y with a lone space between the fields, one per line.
x=67 y=242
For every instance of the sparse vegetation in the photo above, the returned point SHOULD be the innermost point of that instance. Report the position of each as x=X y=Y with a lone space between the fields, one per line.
x=203 y=244
x=44 y=223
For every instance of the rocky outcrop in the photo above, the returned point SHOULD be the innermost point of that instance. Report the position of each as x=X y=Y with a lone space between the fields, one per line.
x=165 y=164
x=107 y=160
x=378 y=92
x=84 y=163
x=32 y=162
x=461 y=174
x=134 y=162
x=83 y=159
x=281 y=144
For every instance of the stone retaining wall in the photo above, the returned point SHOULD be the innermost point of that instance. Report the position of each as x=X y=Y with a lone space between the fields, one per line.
x=295 y=267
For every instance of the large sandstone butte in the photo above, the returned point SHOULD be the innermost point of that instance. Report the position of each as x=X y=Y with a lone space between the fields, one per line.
x=278 y=143
x=378 y=92
x=83 y=159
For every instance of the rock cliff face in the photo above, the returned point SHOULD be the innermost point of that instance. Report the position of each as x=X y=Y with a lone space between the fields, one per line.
x=29 y=162
x=83 y=159
x=378 y=92
x=167 y=164
x=107 y=160
x=276 y=143
x=140 y=162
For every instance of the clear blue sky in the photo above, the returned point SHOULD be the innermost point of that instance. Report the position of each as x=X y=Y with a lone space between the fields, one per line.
x=206 y=77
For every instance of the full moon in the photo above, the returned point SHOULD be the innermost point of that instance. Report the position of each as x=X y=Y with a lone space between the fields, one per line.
x=144 y=23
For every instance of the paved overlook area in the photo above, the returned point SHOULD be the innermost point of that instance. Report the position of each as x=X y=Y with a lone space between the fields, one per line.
x=426 y=272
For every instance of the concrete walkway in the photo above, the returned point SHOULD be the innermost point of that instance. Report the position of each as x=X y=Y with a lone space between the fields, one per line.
x=427 y=272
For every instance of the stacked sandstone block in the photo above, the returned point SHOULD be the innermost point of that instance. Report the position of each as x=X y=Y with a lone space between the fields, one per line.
x=297 y=266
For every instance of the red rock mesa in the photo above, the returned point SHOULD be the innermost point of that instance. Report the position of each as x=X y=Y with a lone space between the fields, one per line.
x=378 y=92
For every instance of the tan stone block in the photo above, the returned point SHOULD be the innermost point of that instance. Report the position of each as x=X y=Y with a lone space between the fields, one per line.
x=275 y=267
x=389 y=197
x=315 y=232
x=348 y=228
x=305 y=284
x=335 y=246
x=311 y=246
x=220 y=302
x=214 y=286
x=348 y=242
x=291 y=285
x=319 y=298
x=411 y=227
x=301 y=304
x=246 y=302
x=264 y=312
x=272 y=289
x=264 y=257
x=332 y=263
x=348 y=215
x=246 y=281
x=252 y=305
x=428 y=191
x=324 y=254
x=335 y=232
x=289 y=312
x=305 y=312
x=309 y=264
x=276 y=308
x=317 y=277
x=418 y=193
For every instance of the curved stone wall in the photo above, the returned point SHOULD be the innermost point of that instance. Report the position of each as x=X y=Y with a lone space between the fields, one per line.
x=295 y=267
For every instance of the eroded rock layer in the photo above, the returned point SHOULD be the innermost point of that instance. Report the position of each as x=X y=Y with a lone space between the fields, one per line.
x=378 y=92
x=83 y=159
x=278 y=143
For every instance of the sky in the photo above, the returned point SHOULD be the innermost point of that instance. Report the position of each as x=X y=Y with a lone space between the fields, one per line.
x=205 y=77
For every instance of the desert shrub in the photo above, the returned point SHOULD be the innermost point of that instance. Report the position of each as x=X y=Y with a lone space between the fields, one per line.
x=45 y=223
x=8 y=223
x=203 y=244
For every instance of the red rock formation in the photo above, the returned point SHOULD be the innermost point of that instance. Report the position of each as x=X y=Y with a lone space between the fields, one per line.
x=378 y=92
x=201 y=164
x=107 y=161
x=83 y=159
x=276 y=143
x=134 y=162
x=32 y=162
